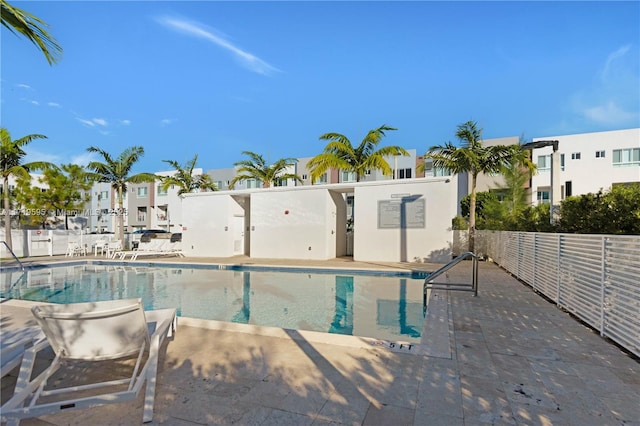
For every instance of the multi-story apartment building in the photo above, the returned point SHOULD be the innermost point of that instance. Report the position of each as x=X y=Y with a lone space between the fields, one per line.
x=101 y=208
x=589 y=162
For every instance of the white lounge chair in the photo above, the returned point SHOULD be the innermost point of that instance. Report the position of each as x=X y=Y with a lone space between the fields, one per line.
x=95 y=331
x=13 y=343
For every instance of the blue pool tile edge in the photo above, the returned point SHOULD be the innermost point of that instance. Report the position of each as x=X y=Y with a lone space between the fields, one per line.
x=229 y=267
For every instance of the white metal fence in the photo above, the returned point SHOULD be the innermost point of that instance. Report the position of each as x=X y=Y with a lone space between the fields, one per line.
x=46 y=242
x=595 y=277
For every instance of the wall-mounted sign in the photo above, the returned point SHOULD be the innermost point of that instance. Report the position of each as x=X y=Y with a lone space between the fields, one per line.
x=406 y=212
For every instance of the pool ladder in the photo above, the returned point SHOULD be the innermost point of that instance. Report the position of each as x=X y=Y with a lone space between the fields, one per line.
x=13 y=254
x=473 y=286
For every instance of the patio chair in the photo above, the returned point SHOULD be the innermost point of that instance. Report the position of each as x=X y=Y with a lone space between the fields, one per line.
x=91 y=332
x=100 y=245
x=13 y=343
x=112 y=248
x=74 y=248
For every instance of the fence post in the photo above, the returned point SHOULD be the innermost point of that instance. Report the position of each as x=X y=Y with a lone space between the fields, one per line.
x=558 y=270
x=603 y=276
x=535 y=259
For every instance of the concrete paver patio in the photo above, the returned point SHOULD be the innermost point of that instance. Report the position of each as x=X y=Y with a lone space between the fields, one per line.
x=513 y=358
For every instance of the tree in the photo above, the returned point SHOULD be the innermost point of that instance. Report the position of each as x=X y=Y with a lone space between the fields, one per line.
x=513 y=193
x=11 y=158
x=66 y=194
x=185 y=180
x=339 y=153
x=116 y=172
x=473 y=158
x=257 y=168
x=33 y=28
x=615 y=211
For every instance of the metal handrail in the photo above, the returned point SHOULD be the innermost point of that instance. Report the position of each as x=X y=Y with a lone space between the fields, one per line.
x=13 y=254
x=428 y=282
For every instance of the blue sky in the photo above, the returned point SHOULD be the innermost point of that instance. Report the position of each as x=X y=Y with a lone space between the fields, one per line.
x=219 y=78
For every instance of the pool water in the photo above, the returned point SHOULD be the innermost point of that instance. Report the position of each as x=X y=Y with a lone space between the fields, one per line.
x=387 y=307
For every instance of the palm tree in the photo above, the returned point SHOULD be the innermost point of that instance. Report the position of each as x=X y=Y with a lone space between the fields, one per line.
x=474 y=158
x=340 y=154
x=11 y=157
x=257 y=168
x=185 y=180
x=116 y=172
x=22 y=22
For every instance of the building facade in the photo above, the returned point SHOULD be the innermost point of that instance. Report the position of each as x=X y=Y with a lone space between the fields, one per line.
x=589 y=162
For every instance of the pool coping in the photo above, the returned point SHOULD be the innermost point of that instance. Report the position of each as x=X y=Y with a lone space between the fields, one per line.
x=382 y=271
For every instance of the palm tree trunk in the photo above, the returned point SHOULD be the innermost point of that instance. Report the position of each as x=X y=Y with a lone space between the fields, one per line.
x=7 y=213
x=472 y=213
x=120 y=217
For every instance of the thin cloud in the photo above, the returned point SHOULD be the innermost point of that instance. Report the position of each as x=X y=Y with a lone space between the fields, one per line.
x=194 y=29
x=612 y=99
x=167 y=121
x=125 y=122
x=84 y=158
x=93 y=122
x=24 y=86
x=609 y=113
x=34 y=155
x=610 y=64
x=54 y=104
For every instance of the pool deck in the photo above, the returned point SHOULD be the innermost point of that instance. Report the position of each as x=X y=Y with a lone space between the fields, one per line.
x=510 y=357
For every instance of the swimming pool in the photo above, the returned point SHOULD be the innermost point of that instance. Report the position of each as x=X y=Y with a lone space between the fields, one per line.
x=387 y=306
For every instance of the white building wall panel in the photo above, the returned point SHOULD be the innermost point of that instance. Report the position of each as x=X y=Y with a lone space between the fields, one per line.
x=375 y=240
x=207 y=225
x=291 y=224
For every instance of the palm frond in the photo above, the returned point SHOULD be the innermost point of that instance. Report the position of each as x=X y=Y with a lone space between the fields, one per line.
x=33 y=28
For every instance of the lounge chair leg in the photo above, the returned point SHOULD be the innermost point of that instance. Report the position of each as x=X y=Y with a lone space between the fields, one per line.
x=152 y=371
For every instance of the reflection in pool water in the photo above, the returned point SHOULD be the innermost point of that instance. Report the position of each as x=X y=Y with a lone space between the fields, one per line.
x=387 y=307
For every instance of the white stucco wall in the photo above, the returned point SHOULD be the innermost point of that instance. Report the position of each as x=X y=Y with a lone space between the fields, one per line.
x=431 y=243
x=290 y=224
x=207 y=224
x=310 y=222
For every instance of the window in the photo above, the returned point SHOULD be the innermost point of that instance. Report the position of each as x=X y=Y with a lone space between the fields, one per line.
x=163 y=212
x=322 y=179
x=626 y=157
x=142 y=214
x=404 y=174
x=429 y=170
x=544 y=163
x=575 y=155
x=562 y=162
x=161 y=191
x=568 y=188
x=304 y=177
x=104 y=195
x=253 y=183
x=348 y=176
x=543 y=197
x=142 y=192
x=599 y=154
